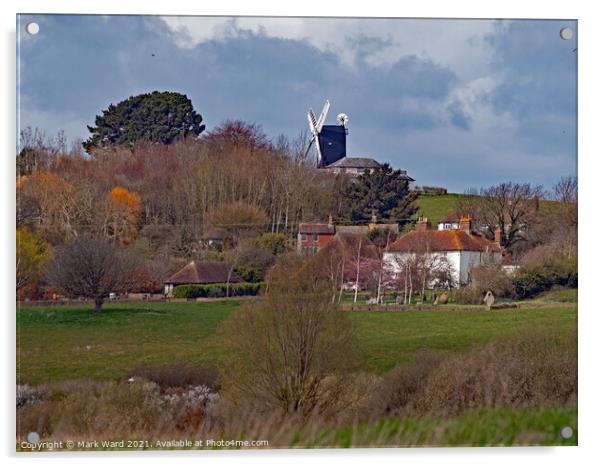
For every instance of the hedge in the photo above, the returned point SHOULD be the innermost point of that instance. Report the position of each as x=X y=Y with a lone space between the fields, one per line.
x=217 y=290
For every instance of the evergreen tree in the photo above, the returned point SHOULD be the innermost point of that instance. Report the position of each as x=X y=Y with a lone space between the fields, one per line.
x=383 y=192
x=158 y=117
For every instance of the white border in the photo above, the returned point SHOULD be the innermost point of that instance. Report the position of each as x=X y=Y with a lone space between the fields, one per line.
x=590 y=152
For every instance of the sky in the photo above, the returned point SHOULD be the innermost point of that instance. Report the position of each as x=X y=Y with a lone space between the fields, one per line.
x=457 y=103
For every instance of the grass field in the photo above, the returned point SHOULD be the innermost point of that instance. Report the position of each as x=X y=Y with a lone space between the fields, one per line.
x=436 y=207
x=70 y=342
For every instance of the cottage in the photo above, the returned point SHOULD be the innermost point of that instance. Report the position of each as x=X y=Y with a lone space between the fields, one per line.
x=202 y=273
x=314 y=236
x=449 y=222
x=461 y=247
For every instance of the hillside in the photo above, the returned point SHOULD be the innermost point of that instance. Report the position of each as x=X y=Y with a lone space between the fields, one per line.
x=435 y=207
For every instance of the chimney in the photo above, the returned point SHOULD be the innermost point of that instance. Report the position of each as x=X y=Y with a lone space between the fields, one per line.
x=422 y=224
x=498 y=236
x=330 y=224
x=466 y=223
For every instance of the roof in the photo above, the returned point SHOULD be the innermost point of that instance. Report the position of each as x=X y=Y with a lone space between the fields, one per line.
x=355 y=162
x=451 y=218
x=319 y=228
x=443 y=240
x=204 y=272
x=353 y=229
x=404 y=176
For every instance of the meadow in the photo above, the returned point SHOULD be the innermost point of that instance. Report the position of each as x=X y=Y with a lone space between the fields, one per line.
x=435 y=207
x=57 y=343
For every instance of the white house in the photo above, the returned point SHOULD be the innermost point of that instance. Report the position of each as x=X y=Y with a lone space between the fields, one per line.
x=461 y=247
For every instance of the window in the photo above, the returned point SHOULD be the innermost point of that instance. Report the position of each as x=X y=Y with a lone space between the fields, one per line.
x=303 y=237
x=315 y=237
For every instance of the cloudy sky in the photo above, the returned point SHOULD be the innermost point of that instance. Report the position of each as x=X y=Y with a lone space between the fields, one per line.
x=458 y=103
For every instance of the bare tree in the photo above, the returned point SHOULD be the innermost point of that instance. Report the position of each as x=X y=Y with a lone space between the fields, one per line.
x=290 y=351
x=92 y=268
x=508 y=206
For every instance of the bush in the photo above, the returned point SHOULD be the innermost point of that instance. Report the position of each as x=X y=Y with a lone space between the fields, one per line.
x=399 y=387
x=493 y=278
x=467 y=295
x=178 y=374
x=27 y=395
x=217 y=290
x=528 y=283
x=118 y=410
x=529 y=370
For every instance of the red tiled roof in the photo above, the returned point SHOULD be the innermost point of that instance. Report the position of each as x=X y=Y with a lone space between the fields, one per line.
x=204 y=272
x=320 y=228
x=443 y=240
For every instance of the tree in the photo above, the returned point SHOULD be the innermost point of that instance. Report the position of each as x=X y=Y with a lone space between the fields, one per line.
x=236 y=133
x=291 y=349
x=123 y=211
x=238 y=219
x=382 y=192
x=158 y=117
x=50 y=201
x=32 y=253
x=93 y=268
x=511 y=207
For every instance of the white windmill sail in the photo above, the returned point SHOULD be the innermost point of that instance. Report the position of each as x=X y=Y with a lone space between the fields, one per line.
x=322 y=118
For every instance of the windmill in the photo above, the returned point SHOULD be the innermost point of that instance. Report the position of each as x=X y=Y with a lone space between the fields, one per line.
x=330 y=140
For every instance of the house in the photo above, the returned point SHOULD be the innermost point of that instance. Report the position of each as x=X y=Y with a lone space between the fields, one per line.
x=202 y=273
x=314 y=236
x=462 y=248
x=449 y=222
x=353 y=166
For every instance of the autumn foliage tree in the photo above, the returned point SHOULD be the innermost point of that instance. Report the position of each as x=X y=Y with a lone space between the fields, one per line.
x=123 y=211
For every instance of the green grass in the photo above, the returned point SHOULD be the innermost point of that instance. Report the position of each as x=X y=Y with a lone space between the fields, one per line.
x=484 y=427
x=562 y=295
x=70 y=342
x=387 y=338
x=436 y=207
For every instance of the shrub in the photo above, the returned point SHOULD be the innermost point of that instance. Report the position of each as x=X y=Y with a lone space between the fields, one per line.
x=217 y=290
x=530 y=370
x=119 y=409
x=494 y=278
x=275 y=243
x=178 y=374
x=191 y=407
x=467 y=295
x=27 y=395
x=400 y=385
x=528 y=283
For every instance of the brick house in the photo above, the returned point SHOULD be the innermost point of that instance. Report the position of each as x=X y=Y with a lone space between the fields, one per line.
x=314 y=236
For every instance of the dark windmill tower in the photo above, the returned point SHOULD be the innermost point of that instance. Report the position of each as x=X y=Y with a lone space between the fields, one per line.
x=330 y=140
